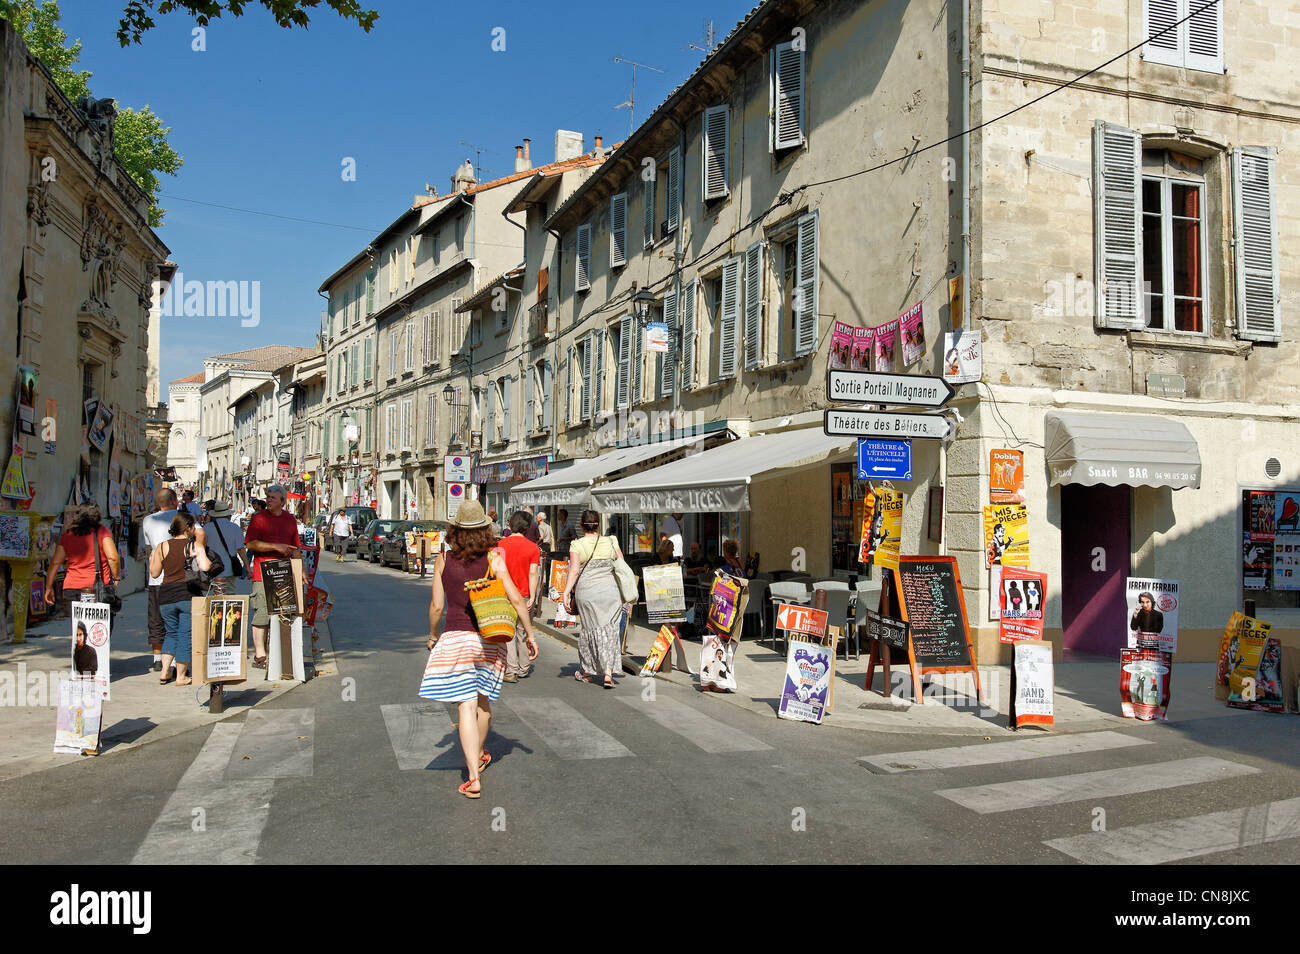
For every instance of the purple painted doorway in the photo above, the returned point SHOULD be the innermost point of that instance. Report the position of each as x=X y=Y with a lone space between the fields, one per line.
x=1092 y=600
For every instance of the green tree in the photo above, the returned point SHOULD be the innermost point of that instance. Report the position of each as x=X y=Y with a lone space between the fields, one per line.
x=39 y=28
x=137 y=17
x=140 y=142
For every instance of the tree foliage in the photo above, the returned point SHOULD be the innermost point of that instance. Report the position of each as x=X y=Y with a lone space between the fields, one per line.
x=39 y=27
x=137 y=18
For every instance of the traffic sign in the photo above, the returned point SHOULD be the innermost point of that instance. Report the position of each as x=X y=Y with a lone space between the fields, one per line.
x=801 y=619
x=455 y=469
x=455 y=494
x=878 y=387
x=884 y=459
x=884 y=424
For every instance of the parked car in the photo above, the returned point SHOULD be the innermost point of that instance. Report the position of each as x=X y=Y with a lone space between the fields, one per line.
x=392 y=549
x=369 y=539
x=361 y=517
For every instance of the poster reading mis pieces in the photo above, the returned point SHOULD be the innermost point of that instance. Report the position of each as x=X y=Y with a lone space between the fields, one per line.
x=1152 y=613
x=1006 y=535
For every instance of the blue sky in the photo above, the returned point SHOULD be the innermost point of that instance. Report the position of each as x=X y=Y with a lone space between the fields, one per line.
x=264 y=118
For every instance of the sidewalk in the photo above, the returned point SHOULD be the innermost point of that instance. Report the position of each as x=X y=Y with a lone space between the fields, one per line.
x=1086 y=698
x=140 y=710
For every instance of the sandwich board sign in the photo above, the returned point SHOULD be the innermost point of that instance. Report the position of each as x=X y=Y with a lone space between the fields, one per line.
x=804 y=620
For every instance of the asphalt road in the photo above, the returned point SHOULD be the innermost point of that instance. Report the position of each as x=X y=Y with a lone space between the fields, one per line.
x=354 y=768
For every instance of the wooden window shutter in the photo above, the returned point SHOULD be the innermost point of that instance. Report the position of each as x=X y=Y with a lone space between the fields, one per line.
x=690 y=293
x=674 y=186
x=729 y=319
x=598 y=374
x=507 y=385
x=369 y=374
x=1117 y=226
x=621 y=381
x=787 y=97
x=585 y=403
x=753 y=305
x=543 y=285
x=582 y=260
x=530 y=399
x=667 y=358
x=618 y=230
x=716 y=152
x=548 y=385
x=648 y=212
x=1255 y=243
x=807 y=272
x=1204 y=35
x=638 y=360
x=1158 y=17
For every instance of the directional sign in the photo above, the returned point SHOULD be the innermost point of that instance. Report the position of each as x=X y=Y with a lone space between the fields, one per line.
x=884 y=424
x=884 y=459
x=801 y=619
x=878 y=387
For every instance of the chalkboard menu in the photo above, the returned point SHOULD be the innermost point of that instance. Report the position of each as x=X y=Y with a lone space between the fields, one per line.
x=930 y=590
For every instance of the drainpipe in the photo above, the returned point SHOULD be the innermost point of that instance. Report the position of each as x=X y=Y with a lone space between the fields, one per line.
x=678 y=256
x=473 y=226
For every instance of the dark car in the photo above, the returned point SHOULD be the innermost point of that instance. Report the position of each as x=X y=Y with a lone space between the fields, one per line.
x=360 y=517
x=369 y=539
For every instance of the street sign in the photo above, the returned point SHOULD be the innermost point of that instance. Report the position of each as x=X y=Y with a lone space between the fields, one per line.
x=878 y=387
x=455 y=494
x=656 y=336
x=885 y=459
x=455 y=469
x=801 y=619
x=884 y=424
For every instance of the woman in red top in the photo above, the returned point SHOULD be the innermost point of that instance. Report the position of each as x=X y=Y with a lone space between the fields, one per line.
x=77 y=548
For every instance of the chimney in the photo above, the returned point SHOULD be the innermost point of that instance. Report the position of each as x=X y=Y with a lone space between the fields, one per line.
x=598 y=138
x=521 y=159
x=464 y=177
x=527 y=157
x=568 y=145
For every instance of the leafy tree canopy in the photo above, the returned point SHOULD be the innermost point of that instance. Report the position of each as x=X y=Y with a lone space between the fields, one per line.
x=137 y=18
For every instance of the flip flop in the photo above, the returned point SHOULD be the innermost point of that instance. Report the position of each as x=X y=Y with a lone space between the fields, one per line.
x=464 y=788
x=484 y=761
x=581 y=676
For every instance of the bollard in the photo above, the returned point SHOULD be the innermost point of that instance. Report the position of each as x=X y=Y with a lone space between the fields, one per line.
x=1250 y=607
x=217 y=699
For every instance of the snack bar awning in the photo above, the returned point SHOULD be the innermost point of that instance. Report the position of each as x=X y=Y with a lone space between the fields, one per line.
x=718 y=479
x=1139 y=450
x=571 y=486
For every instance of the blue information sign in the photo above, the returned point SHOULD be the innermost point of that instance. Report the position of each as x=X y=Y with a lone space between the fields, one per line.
x=884 y=459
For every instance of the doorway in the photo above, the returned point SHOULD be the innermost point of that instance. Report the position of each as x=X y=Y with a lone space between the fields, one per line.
x=1095 y=560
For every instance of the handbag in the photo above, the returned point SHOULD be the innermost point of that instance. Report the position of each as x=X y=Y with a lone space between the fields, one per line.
x=236 y=565
x=198 y=581
x=626 y=579
x=494 y=616
x=105 y=592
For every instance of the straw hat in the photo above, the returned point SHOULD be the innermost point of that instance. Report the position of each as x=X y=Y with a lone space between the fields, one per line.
x=470 y=515
x=221 y=509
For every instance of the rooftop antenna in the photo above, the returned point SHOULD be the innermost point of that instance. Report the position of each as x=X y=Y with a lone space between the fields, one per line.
x=478 y=159
x=630 y=103
x=710 y=39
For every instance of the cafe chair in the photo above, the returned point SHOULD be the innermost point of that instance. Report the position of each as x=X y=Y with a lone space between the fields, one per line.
x=754 y=610
x=836 y=604
x=784 y=592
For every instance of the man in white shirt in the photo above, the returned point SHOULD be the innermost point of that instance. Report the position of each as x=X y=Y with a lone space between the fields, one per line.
x=225 y=539
x=154 y=530
x=671 y=530
x=341 y=527
x=188 y=504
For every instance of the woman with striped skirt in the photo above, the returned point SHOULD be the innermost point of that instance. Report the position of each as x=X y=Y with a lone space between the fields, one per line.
x=462 y=667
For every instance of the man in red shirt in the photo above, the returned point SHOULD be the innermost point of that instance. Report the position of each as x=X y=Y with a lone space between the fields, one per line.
x=272 y=535
x=523 y=560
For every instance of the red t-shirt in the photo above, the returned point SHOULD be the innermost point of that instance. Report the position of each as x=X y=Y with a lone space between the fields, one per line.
x=521 y=553
x=269 y=529
x=81 y=559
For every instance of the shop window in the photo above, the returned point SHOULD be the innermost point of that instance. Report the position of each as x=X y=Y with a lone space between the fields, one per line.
x=1270 y=547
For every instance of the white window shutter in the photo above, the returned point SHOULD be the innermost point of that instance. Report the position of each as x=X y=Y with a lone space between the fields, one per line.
x=1255 y=244
x=1158 y=16
x=807 y=275
x=369 y=360
x=753 y=305
x=568 y=384
x=622 y=381
x=491 y=410
x=548 y=385
x=691 y=292
x=530 y=403
x=424 y=340
x=1204 y=31
x=638 y=360
x=1117 y=227
x=437 y=336
x=507 y=385
x=585 y=403
x=729 y=319
x=716 y=152
x=598 y=373
x=648 y=212
x=674 y=186
x=618 y=230
x=667 y=358
x=787 y=96
x=582 y=260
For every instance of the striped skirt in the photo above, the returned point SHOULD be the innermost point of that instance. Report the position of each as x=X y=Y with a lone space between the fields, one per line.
x=463 y=667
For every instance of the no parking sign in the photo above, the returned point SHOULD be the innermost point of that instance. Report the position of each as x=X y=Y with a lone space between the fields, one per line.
x=455 y=494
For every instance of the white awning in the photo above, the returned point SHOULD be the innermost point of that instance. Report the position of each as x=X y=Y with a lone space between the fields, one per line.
x=718 y=479
x=1135 y=449
x=571 y=487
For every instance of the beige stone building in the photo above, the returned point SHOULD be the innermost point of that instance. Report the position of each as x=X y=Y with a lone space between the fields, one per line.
x=184 y=411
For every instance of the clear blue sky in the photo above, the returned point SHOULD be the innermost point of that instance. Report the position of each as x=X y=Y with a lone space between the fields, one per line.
x=265 y=116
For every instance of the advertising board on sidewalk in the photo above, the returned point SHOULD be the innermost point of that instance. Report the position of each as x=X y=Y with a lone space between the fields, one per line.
x=807 y=682
x=1152 y=613
x=91 y=642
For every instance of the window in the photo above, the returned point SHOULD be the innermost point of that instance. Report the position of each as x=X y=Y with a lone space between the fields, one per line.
x=789 y=253
x=356 y=302
x=343 y=372
x=1173 y=247
x=538 y=397
x=753 y=281
x=672 y=189
x=787 y=106
x=666 y=364
x=807 y=274
x=409 y=363
x=1195 y=43
x=690 y=292
x=499 y=409
x=460 y=233
x=392 y=272
x=408 y=425
x=715 y=152
x=648 y=212
x=353 y=355
x=623 y=377
x=582 y=258
x=459 y=326
x=370 y=291
x=618 y=230
x=369 y=360
x=437 y=247
x=411 y=253
x=390 y=429
x=430 y=418
x=1254 y=241
x=727 y=321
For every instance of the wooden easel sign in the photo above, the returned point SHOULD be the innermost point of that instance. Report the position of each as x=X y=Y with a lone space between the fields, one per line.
x=932 y=604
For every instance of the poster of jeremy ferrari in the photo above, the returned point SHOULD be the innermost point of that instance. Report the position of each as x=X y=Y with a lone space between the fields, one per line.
x=1152 y=614
x=91 y=631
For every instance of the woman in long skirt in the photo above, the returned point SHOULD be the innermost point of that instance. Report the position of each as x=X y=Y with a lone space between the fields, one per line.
x=462 y=667
x=600 y=606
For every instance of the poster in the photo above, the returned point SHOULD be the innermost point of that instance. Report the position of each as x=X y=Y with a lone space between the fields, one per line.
x=1152 y=613
x=882 y=529
x=14 y=484
x=26 y=423
x=114 y=499
x=559 y=576
x=1006 y=476
x=1230 y=643
x=842 y=340
x=1286 y=513
x=315 y=598
x=1023 y=594
x=863 y=339
x=278 y=582
x=91 y=630
x=101 y=428
x=717 y=663
x=1286 y=561
x=1260 y=515
x=1032 y=704
x=310 y=560
x=727 y=599
x=665 y=601
x=15 y=536
x=77 y=721
x=227 y=626
x=1256 y=678
x=807 y=682
x=1006 y=535
x=886 y=345
x=911 y=326
x=1144 y=684
x=658 y=651
x=963 y=357
x=1256 y=563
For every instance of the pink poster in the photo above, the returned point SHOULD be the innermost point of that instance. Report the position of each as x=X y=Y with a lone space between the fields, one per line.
x=886 y=345
x=862 y=340
x=841 y=345
x=913 y=334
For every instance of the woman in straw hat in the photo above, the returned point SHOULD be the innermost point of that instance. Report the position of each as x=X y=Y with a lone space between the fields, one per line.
x=463 y=668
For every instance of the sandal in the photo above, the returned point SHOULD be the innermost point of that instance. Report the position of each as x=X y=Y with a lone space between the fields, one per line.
x=609 y=682
x=464 y=789
x=484 y=761
x=184 y=682
x=581 y=676
x=170 y=679
x=259 y=662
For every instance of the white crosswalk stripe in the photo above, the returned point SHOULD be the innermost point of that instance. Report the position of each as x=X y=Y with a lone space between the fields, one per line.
x=962 y=756
x=275 y=743
x=704 y=731
x=422 y=735
x=566 y=731
x=1037 y=792
x=1180 y=838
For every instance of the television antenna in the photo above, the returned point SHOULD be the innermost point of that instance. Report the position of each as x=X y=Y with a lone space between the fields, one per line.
x=710 y=39
x=630 y=103
x=478 y=158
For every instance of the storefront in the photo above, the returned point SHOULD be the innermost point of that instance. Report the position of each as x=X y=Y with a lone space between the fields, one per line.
x=496 y=479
